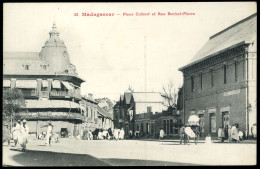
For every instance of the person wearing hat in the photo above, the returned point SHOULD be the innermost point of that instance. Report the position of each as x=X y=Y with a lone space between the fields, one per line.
x=49 y=133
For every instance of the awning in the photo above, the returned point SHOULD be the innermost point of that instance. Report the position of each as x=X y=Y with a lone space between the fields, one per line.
x=56 y=84
x=6 y=83
x=44 y=83
x=67 y=85
x=194 y=120
x=29 y=84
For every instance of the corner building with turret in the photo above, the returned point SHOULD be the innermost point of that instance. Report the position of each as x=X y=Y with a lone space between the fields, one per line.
x=50 y=86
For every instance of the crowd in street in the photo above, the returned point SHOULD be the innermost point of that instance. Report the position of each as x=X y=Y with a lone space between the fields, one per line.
x=19 y=134
x=104 y=134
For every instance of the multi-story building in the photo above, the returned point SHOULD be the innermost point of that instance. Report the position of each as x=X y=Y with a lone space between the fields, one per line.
x=220 y=80
x=145 y=112
x=90 y=113
x=50 y=85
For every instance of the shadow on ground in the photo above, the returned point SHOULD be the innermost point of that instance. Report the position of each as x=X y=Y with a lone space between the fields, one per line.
x=47 y=158
x=135 y=162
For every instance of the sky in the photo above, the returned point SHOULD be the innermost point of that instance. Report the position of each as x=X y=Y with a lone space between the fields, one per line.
x=109 y=51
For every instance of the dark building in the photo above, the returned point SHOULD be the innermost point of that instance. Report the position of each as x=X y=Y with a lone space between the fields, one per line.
x=220 y=80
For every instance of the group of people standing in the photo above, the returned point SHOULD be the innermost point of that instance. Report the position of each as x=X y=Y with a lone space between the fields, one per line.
x=119 y=134
x=20 y=133
x=232 y=133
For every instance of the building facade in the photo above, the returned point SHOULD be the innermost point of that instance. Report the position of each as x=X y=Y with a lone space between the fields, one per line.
x=145 y=112
x=220 y=81
x=50 y=85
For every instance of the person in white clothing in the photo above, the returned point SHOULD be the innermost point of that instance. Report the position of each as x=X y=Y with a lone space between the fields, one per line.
x=23 y=135
x=208 y=140
x=122 y=134
x=16 y=132
x=49 y=134
x=161 y=134
x=116 y=133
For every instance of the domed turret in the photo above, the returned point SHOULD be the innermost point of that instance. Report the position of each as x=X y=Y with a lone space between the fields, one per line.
x=54 y=52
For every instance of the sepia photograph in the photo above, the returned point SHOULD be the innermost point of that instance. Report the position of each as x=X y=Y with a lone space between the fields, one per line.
x=129 y=84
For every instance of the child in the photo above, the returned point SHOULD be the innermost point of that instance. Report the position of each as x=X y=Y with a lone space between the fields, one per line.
x=208 y=139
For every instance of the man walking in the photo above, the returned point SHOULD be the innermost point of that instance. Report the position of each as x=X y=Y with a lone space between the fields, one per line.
x=49 y=134
x=24 y=133
x=182 y=134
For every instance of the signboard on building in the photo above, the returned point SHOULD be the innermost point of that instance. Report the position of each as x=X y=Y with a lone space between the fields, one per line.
x=233 y=92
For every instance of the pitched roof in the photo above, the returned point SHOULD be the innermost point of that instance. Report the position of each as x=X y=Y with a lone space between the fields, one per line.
x=241 y=32
x=127 y=97
x=104 y=112
x=147 y=97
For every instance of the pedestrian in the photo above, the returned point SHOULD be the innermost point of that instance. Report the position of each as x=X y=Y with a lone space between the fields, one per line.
x=6 y=134
x=116 y=134
x=240 y=134
x=15 y=133
x=182 y=134
x=161 y=134
x=130 y=134
x=221 y=134
x=253 y=131
x=24 y=133
x=100 y=135
x=122 y=134
x=234 y=133
x=49 y=134
x=90 y=135
x=105 y=134
x=229 y=134
x=208 y=139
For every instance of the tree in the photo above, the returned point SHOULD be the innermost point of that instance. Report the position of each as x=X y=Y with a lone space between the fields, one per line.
x=13 y=102
x=170 y=94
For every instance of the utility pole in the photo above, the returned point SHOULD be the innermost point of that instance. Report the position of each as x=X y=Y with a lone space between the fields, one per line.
x=145 y=76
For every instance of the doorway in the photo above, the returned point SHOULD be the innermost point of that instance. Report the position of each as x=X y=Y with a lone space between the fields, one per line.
x=225 y=122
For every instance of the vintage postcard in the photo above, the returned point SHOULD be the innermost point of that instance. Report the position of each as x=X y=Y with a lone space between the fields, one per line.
x=129 y=84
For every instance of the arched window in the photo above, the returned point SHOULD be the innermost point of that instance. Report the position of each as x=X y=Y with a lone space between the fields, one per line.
x=235 y=63
x=201 y=81
x=171 y=126
x=212 y=77
x=164 y=125
x=225 y=73
x=192 y=83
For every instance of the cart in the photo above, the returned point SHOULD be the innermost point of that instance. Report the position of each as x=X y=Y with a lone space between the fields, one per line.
x=194 y=126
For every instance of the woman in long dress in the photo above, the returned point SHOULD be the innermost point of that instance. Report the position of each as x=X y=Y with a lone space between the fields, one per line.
x=234 y=134
x=23 y=136
x=121 y=134
x=16 y=132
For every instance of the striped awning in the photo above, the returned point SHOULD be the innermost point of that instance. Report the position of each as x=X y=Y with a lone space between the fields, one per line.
x=56 y=84
x=44 y=83
x=67 y=85
x=29 y=84
x=6 y=83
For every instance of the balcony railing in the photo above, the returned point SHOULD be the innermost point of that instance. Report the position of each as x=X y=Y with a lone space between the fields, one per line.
x=60 y=94
x=29 y=93
x=44 y=93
